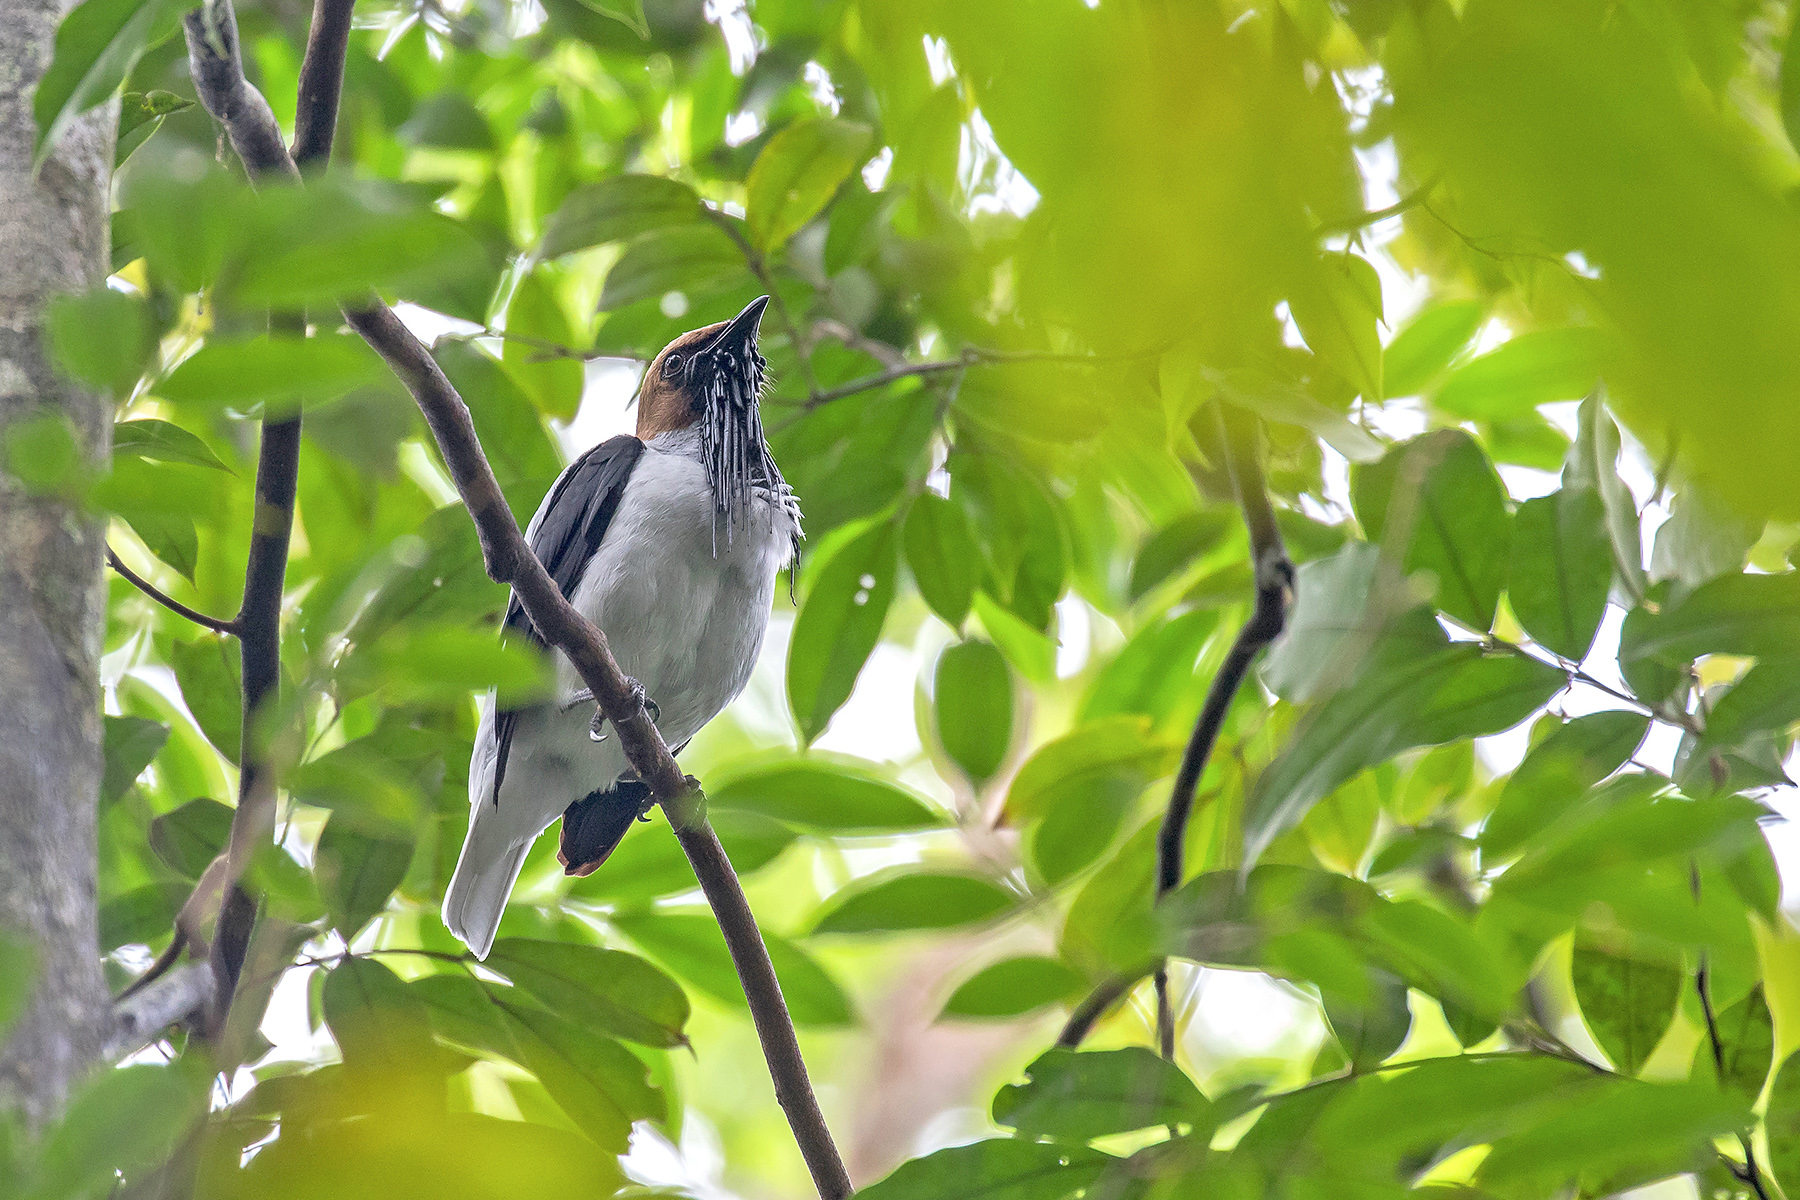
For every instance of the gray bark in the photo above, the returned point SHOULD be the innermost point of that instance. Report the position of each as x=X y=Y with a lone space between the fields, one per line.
x=53 y=239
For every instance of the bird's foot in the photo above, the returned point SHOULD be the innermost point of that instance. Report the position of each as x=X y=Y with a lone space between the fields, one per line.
x=597 y=727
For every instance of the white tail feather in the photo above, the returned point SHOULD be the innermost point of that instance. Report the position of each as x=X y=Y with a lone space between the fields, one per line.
x=478 y=891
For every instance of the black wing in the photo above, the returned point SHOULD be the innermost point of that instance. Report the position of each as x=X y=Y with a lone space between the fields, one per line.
x=569 y=529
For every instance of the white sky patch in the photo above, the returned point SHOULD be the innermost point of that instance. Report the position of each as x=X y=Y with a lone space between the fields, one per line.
x=821 y=88
x=606 y=408
x=1247 y=1014
x=937 y=60
x=875 y=171
x=1074 y=636
x=740 y=127
x=734 y=25
x=877 y=721
x=987 y=176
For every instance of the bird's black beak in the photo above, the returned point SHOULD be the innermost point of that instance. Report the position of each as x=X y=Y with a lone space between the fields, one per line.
x=741 y=332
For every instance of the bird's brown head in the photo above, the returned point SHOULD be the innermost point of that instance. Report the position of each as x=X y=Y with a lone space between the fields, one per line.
x=720 y=357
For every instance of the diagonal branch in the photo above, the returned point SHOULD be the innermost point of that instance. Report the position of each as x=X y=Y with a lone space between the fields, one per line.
x=509 y=560
x=216 y=624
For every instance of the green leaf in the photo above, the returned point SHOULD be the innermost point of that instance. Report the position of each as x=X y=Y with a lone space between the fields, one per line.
x=1754 y=710
x=1076 y=789
x=599 y=1083
x=357 y=873
x=822 y=793
x=973 y=707
x=1782 y=1120
x=1177 y=546
x=123 y=1121
x=1423 y=351
x=839 y=624
x=943 y=556
x=1075 y=1096
x=645 y=867
x=192 y=836
x=162 y=442
x=679 y=258
x=616 y=208
x=797 y=173
x=463 y=1009
x=1155 y=675
x=130 y=744
x=607 y=990
x=1594 y=463
x=1627 y=1003
x=1560 y=572
x=209 y=672
x=441 y=663
x=1013 y=987
x=1517 y=376
x=97 y=45
x=1556 y=773
x=449 y=120
x=1701 y=540
x=553 y=381
x=907 y=899
x=1340 y=607
x=1338 y=308
x=140 y=116
x=690 y=945
x=1747 y=1033
x=102 y=337
x=1789 y=82
x=1030 y=652
x=1750 y=615
x=1371 y=1031
x=999 y=1169
x=1414 y=691
x=629 y=13
x=278 y=372
x=1438 y=497
x=381 y=1026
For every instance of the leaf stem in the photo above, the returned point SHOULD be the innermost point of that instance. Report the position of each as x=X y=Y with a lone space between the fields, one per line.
x=216 y=624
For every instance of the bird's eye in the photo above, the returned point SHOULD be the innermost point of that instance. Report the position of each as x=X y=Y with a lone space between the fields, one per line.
x=673 y=366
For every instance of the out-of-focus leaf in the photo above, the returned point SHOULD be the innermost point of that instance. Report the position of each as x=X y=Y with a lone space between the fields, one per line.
x=893 y=902
x=616 y=208
x=1176 y=546
x=1749 y=717
x=1000 y=1169
x=629 y=13
x=1013 y=987
x=124 y=1121
x=423 y=664
x=1560 y=572
x=607 y=990
x=1627 y=1003
x=1747 y=1033
x=1701 y=540
x=797 y=173
x=1074 y=1096
x=690 y=945
x=103 y=337
x=130 y=744
x=1338 y=309
x=140 y=115
x=1735 y=614
x=97 y=45
x=1782 y=1121
x=1517 y=376
x=1594 y=463
x=357 y=873
x=279 y=372
x=1438 y=497
x=679 y=258
x=943 y=556
x=1340 y=608
x=1111 y=745
x=192 y=836
x=1556 y=773
x=973 y=706
x=1423 y=351
x=839 y=623
x=599 y=1083
x=1155 y=675
x=382 y=1028
x=653 y=864
x=1370 y=1031
x=1414 y=690
x=449 y=120
x=208 y=669
x=537 y=324
x=1030 y=652
x=163 y=442
x=821 y=793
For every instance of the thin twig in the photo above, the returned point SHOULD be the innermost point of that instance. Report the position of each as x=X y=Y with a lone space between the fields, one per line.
x=175 y=606
x=1087 y=1014
x=1750 y=1173
x=1363 y=220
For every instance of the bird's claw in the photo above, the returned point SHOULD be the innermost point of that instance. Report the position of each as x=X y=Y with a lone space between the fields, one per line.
x=597 y=727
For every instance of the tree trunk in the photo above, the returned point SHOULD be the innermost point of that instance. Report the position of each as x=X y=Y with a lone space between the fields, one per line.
x=53 y=239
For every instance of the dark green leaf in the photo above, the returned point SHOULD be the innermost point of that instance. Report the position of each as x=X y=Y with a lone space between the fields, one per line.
x=102 y=337
x=680 y=258
x=123 y=1121
x=279 y=372
x=1340 y=607
x=209 y=673
x=97 y=45
x=599 y=1083
x=1531 y=369
x=357 y=873
x=943 y=556
x=1747 y=1033
x=822 y=793
x=450 y=120
x=839 y=623
x=1013 y=987
x=130 y=744
x=1370 y=1031
x=1176 y=546
x=140 y=115
x=1001 y=1169
x=1610 y=1127
x=690 y=945
x=1074 y=1096
x=1734 y=614
x=617 y=208
x=163 y=442
x=1423 y=351
x=973 y=704
x=1556 y=773
x=606 y=990
x=192 y=836
x=1560 y=572
x=379 y=1024
x=798 y=172
x=908 y=899
x=464 y=1009
x=1438 y=497
x=1627 y=1003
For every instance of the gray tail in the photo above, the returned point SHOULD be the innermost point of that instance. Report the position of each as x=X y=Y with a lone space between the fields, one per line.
x=478 y=892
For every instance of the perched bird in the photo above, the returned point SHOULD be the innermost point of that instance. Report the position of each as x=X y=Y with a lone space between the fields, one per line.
x=670 y=542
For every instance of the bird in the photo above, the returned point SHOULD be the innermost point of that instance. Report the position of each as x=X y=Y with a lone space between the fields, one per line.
x=671 y=542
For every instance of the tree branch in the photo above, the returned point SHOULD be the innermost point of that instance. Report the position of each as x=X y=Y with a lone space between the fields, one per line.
x=1087 y=1014
x=167 y=601
x=321 y=82
x=140 y=1017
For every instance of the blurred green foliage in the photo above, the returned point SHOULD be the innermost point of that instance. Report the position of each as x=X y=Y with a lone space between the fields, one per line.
x=1405 y=237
